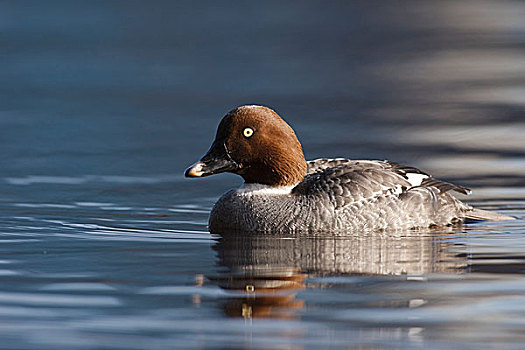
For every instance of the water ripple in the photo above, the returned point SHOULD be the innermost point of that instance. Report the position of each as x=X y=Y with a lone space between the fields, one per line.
x=58 y=300
x=77 y=180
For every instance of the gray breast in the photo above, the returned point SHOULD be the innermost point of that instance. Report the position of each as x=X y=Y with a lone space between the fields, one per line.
x=341 y=194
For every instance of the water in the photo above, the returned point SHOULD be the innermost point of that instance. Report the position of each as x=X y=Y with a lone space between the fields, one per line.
x=104 y=243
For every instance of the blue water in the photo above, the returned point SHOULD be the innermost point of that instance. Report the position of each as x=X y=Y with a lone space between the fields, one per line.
x=104 y=243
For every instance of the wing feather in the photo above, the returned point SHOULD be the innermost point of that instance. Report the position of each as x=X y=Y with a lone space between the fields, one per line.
x=347 y=181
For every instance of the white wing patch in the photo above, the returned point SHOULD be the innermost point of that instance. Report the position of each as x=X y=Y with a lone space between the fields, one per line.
x=398 y=189
x=416 y=179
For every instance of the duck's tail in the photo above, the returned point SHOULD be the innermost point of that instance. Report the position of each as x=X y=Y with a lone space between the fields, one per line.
x=480 y=214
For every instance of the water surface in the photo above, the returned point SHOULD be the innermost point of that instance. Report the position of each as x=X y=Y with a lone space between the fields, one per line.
x=104 y=244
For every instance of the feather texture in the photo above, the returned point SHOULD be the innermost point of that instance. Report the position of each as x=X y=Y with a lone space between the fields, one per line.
x=344 y=194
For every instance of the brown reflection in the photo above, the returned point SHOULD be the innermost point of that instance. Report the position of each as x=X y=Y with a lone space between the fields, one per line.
x=263 y=292
x=267 y=272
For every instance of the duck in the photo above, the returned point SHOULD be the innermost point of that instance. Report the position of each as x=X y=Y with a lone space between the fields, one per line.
x=284 y=193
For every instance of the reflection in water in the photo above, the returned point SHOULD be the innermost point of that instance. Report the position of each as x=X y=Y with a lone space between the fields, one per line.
x=268 y=272
x=265 y=292
x=100 y=240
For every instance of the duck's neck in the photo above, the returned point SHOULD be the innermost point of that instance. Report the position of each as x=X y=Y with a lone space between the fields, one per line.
x=276 y=172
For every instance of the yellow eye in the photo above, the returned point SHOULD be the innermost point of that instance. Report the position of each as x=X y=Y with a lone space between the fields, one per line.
x=247 y=132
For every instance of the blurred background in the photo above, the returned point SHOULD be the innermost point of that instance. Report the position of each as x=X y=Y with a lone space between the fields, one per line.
x=138 y=88
x=103 y=104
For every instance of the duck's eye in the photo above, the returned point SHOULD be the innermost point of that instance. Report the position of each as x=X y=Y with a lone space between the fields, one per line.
x=247 y=132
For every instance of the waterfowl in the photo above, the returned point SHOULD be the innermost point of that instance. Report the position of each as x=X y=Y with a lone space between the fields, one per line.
x=284 y=193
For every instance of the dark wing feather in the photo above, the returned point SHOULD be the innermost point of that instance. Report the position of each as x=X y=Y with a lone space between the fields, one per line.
x=442 y=186
x=347 y=181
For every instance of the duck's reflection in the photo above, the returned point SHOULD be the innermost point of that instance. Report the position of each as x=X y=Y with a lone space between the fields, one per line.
x=263 y=291
x=268 y=271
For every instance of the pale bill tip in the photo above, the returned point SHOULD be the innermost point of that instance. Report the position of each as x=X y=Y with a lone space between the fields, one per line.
x=195 y=170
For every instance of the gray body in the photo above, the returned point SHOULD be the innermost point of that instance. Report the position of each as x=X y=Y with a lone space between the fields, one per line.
x=344 y=195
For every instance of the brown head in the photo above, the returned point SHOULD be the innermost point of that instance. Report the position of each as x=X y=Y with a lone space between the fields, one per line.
x=254 y=142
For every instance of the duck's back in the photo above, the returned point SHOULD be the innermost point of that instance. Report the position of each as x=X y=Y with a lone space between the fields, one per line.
x=343 y=194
